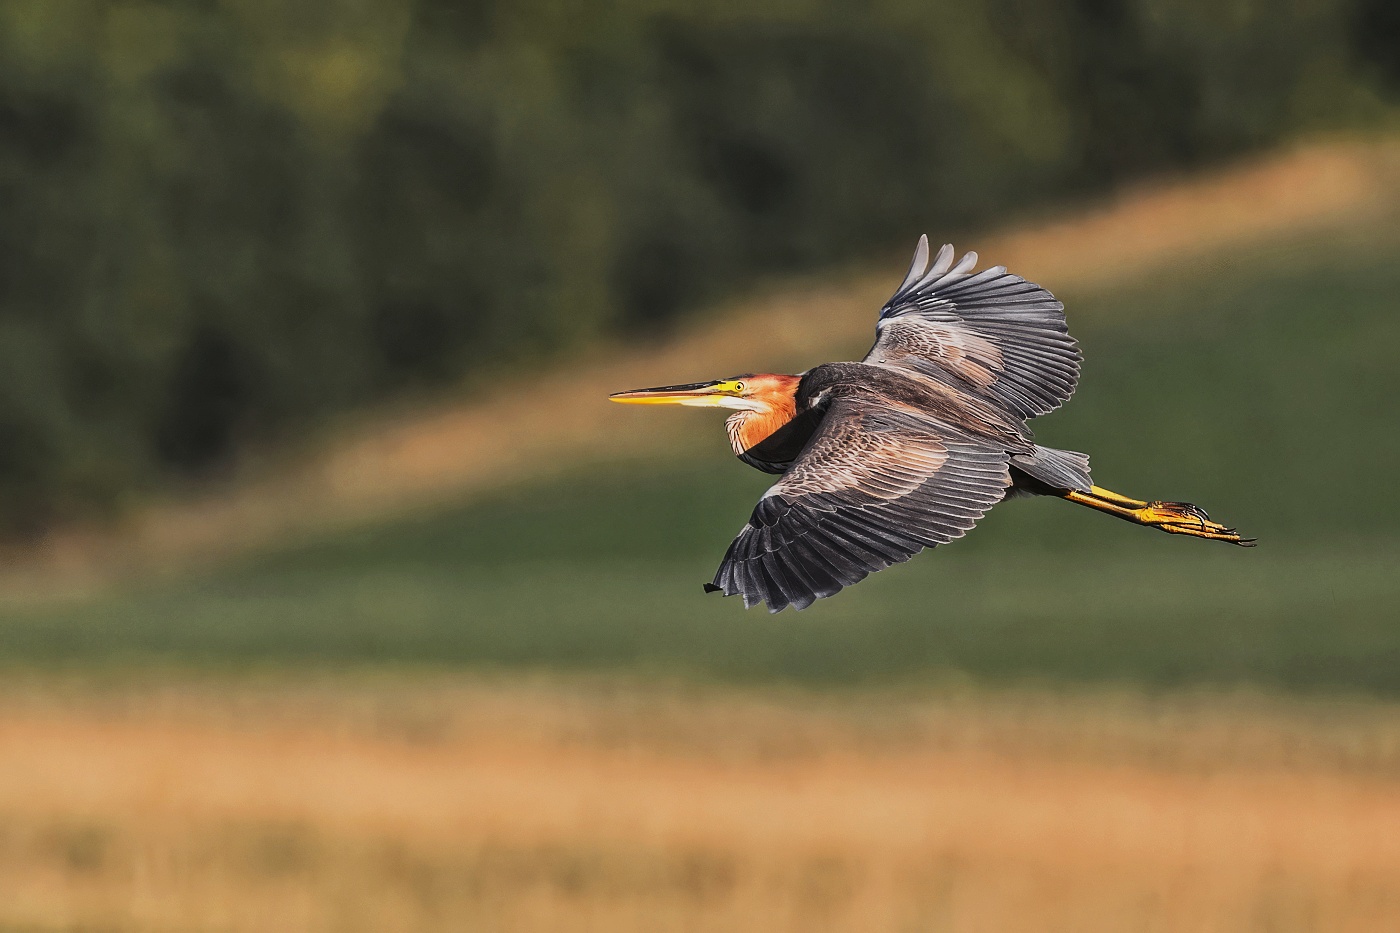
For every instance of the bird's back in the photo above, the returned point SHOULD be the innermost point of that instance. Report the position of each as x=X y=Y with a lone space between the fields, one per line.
x=879 y=386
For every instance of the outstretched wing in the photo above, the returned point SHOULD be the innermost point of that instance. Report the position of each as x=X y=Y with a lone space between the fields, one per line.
x=875 y=486
x=991 y=333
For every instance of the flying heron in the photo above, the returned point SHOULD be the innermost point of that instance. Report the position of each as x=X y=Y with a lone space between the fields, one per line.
x=908 y=448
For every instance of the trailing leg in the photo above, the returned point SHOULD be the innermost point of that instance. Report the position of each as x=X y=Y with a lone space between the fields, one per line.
x=1177 y=518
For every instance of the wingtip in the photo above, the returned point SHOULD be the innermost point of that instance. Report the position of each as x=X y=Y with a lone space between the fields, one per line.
x=918 y=266
x=943 y=261
x=711 y=588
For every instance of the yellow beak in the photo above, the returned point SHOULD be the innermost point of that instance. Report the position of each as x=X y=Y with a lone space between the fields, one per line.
x=718 y=394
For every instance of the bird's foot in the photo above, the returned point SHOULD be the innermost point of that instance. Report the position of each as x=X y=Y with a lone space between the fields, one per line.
x=1183 y=518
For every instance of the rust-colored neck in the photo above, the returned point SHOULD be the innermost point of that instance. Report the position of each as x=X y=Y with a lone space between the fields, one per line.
x=777 y=397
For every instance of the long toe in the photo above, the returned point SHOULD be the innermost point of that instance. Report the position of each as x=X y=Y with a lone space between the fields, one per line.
x=1210 y=530
x=1185 y=518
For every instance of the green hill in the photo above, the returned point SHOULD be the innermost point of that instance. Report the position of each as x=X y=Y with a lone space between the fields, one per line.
x=1262 y=387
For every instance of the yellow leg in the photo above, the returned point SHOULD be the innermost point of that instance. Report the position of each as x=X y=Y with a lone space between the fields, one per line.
x=1176 y=518
x=1111 y=496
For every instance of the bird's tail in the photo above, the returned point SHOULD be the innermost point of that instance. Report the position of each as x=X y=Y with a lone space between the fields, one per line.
x=1058 y=469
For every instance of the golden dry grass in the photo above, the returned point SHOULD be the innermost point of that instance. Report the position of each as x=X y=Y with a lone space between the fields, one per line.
x=376 y=803
x=528 y=424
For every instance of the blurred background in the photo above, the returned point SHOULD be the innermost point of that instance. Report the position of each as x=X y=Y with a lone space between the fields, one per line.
x=335 y=597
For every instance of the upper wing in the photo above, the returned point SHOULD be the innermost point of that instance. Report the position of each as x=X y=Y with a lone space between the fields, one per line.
x=993 y=333
x=875 y=486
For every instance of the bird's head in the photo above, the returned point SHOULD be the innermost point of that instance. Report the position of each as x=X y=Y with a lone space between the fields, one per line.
x=761 y=403
x=757 y=392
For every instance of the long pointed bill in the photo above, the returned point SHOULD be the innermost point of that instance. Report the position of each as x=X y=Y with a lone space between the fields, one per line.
x=717 y=394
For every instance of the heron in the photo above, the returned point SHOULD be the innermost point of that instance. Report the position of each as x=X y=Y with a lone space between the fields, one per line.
x=908 y=448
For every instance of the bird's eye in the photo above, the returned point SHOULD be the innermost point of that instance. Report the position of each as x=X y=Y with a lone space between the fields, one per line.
x=738 y=387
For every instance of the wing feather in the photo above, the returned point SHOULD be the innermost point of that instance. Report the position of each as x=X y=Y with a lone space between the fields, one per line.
x=991 y=333
x=875 y=486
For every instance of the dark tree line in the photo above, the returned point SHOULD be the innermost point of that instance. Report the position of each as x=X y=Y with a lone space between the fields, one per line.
x=223 y=219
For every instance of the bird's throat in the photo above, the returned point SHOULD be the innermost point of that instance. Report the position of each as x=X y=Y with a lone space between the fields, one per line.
x=747 y=429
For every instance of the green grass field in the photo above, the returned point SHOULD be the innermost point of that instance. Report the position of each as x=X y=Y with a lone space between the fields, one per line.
x=1263 y=388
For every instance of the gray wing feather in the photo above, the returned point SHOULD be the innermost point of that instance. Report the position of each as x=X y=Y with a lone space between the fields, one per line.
x=991 y=333
x=873 y=488
x=919 y=266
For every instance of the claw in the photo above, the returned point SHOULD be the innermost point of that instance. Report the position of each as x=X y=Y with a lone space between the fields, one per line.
x=1213 y=531
x=1188 y=508
x=1184 y=518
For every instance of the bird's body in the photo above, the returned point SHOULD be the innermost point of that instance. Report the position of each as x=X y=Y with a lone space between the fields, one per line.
x=908 y=448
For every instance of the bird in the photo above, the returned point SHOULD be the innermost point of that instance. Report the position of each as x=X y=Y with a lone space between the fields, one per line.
x=909 y=447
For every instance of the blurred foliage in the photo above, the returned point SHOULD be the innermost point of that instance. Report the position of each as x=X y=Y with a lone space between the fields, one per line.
x=222 y=219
